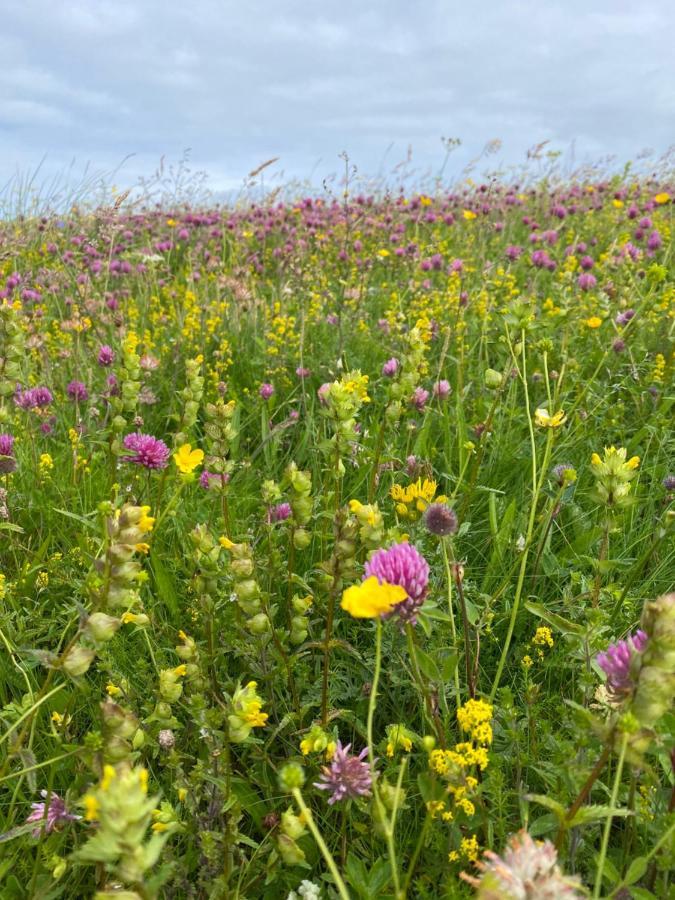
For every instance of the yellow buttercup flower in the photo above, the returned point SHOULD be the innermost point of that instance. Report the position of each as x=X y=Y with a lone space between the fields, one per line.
x=371 y=598
x=187 y=459
x=594 y=322
x=469 y=214
x=663 y=197
x=545 y=420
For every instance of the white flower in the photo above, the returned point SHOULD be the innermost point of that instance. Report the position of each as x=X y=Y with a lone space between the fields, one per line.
x=527 y=870
x=307 y=891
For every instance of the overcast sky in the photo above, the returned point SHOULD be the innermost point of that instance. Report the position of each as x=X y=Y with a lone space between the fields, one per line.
x=239 y=82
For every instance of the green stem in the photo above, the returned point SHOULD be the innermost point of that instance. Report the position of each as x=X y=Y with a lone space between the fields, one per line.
x=388 y=826
x=325 y=852
x=537 y=482
x=453 y=629
x=608 y=823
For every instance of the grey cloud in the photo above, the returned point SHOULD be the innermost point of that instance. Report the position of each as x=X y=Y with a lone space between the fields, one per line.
x=97 y=80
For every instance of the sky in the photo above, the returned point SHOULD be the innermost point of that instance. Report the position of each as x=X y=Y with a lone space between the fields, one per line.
x=117 y=84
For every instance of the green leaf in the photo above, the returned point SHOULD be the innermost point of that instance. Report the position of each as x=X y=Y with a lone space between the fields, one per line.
x=164 y=584
x=553 y=619
x=88 y=523
x=448 y=666
x=596 y=813
x=549 y=803
x=428 y=666
x=636 y=870
x=544 y=825
x=640 y=893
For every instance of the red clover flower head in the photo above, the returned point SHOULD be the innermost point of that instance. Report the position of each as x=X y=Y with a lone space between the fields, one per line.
x=404 y=565
x=347 y=776
x=148 y=451
x=616 y=662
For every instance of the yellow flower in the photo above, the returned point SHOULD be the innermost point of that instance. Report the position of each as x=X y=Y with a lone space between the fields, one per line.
x=543 y=636
x=90 y=807
x=544 y=420
x=663 y=197
x=180 y=670
x=187 y=459
x=594 y=322
x=182 y=794
x=112 y=690
x=371 y=599
x=469 y=214
x=108 y=774
x=146 y=522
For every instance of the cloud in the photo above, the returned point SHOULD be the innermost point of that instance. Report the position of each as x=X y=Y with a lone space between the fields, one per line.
x=239 y=83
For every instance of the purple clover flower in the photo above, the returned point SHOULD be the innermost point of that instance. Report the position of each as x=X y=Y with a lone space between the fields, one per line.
x=347 y=776
x=266 y=390
x=7 y=461
x=106 y=356
x=390 y=368
x=279 y=513
x=6 y=444
x=442 y=389
x=77 y=391
x=33 y=398
x=149 y=452
x=404 y=565
x=57 y=814
x=419 y=398
x=623 y=318
x=616 y=661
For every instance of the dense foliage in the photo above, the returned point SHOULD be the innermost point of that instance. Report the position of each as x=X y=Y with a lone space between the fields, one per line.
x=336 y=543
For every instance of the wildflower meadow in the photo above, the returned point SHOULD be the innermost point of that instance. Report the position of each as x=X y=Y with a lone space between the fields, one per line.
x=336 y=546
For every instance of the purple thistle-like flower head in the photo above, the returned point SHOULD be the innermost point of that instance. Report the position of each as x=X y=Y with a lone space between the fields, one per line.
x=442 y=389
x=7 y=461
x=616 y=662
x=390 y=368
x=77 y=391
x=106 y=355
x=419 y=398
x=586 y=281
x=148 y=451
x=6 y=444
x=33 y=398
x=347 y=776
x=279 y=513
x=404 y=565
x=669 y=482
x=57 y=814
x=623 y=318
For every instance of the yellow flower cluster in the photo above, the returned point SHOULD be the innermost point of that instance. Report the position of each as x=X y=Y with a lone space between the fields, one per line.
x=468 y=849
x=399 y=737
x=246 y=712
x=474 y=717
x=411 y=501
x=318 y=741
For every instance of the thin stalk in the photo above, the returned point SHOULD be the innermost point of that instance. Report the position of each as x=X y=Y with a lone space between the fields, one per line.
x=608 y=823
x=325 y=852
x=537 y=482
x=585 y=791
x=453 y=629
x=388 y=826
